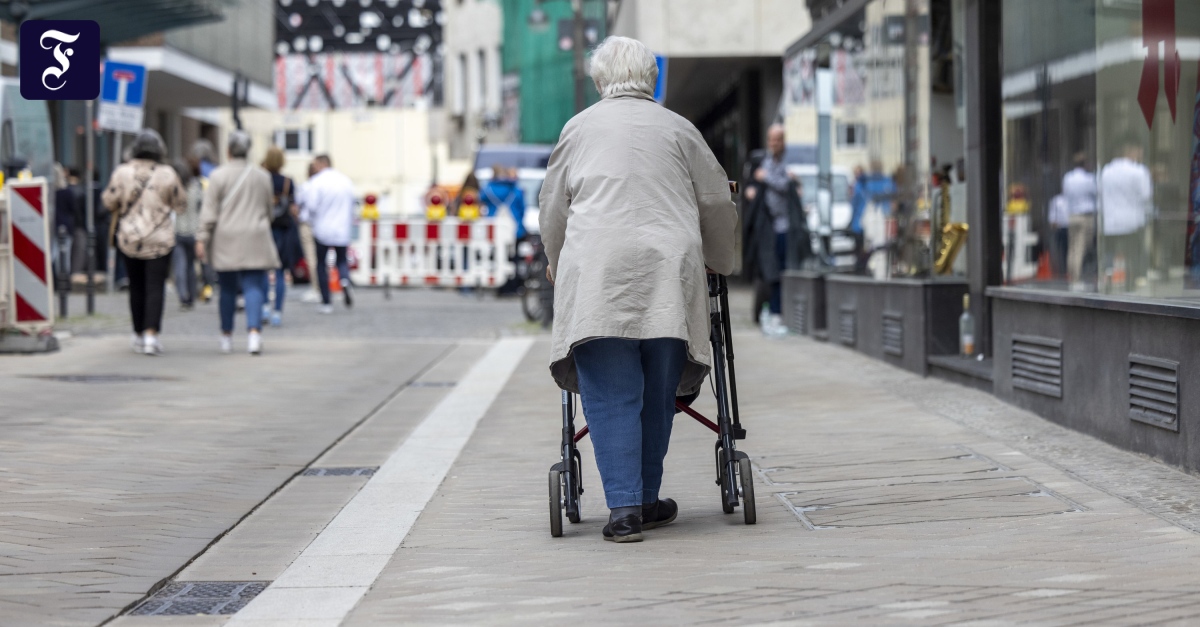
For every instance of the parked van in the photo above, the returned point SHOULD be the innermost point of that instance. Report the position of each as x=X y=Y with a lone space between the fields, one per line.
x=25 y=131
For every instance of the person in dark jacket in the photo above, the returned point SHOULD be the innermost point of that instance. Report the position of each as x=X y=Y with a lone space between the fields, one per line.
x=775 y=234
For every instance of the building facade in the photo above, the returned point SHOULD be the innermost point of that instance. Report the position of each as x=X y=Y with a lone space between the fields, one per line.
x=1079 y=123
x=473 y=31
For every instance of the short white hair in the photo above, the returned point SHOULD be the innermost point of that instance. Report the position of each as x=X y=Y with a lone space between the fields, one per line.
x=622 y=65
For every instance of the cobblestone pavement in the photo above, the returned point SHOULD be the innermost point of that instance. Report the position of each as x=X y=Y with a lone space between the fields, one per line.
x=117 y=469
x=882 y=498
x=872 y=509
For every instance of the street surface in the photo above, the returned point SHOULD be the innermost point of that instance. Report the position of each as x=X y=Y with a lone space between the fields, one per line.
x=427 y=424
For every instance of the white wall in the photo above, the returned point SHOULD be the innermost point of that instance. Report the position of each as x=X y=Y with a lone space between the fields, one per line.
x=386 y=152
x=714 y=28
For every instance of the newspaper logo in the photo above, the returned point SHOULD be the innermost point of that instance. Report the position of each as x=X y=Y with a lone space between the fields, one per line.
x=60 y=60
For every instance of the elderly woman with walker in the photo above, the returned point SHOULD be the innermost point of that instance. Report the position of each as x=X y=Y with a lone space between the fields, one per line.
x=633 y=210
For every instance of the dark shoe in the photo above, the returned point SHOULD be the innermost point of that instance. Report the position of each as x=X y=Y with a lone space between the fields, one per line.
x=627 y=528
x=347 y=293
x=660 y=513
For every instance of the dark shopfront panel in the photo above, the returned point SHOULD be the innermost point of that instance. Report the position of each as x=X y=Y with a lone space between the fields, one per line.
x=1099 y=328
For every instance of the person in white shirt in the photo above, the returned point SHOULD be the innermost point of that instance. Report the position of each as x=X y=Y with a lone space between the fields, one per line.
x=1126 y=192
x=1079 y=193
x=329 y=202
x=307 y=243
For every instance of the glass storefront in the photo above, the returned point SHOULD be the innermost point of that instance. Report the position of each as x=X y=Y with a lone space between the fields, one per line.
x=896 y=141
x=1102 y=146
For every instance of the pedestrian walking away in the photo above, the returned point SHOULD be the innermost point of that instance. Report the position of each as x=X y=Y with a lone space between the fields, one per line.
x=329 y=202
x=283 y=229
x=141 y=194
x=202 y=159
x=235 y=237
x=186 y=223
x=634 y=207
x=775 y=231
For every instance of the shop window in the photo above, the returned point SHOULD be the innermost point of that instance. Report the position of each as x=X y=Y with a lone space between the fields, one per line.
x=1101 y=163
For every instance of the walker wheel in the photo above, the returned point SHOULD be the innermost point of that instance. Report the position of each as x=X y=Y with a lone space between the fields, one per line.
x=574 y=491
x=746 y=478
x=556 y=503
x=723 y=482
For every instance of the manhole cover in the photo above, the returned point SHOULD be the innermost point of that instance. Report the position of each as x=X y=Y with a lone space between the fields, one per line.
x=99 y=378
x=184 y=598
x=433 y=384
x=365 y=471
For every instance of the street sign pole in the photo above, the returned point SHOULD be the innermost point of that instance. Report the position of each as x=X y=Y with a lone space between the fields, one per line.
x=90 y=204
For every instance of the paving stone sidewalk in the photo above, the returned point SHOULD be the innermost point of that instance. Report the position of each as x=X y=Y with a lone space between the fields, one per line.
x=882 y=498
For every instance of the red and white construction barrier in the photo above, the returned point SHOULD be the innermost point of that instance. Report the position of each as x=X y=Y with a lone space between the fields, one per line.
x=30 y=290
x=449 y=253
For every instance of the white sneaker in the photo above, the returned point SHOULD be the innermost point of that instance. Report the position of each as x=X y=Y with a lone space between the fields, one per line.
x=151 y=346
x=311 y=296
x=325 y=309
x=226 y=344
x=778 y=326
x=254 y=343
x=135 y=342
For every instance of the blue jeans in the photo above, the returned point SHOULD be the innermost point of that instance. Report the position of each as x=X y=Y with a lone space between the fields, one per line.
x=343 y=268
x=281 y=245
x=628 y=393
x=777 y=287
x=253 y=285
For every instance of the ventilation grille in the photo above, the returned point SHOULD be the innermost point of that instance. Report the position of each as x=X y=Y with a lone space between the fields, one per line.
x=1037 y=364
x=847 y=324
x=893 y=333
x=1154 y=391
x=800 y=314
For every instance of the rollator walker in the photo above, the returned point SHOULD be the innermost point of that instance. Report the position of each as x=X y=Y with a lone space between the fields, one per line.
x=734 y=474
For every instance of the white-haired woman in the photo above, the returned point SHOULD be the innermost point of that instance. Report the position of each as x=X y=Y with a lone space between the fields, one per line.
x=235 y=237
x=634 y=207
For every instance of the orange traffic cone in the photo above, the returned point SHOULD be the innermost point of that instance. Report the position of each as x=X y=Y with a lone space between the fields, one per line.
x=335 y=282
x=1044 y=273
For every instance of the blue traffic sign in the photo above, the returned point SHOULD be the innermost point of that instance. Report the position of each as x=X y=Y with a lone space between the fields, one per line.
x=123 y=84
x=660 y=86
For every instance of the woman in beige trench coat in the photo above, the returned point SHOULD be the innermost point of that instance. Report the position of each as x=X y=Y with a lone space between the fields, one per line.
x=634 y=207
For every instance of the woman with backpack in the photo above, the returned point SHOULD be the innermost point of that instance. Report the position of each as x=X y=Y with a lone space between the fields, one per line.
x=283 y=228
x=142 y=194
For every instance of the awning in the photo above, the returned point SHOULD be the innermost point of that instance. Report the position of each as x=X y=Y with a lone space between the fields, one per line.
x=832 y=18
x=119 y=20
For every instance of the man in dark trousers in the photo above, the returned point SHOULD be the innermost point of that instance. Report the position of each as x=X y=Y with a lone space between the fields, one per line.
x=775 y=234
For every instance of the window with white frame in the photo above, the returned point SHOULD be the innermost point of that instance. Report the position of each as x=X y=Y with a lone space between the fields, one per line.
x=851 y=135
x=295 y=140
x=459 y=105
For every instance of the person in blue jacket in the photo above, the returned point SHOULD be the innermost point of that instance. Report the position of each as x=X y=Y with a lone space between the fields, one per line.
x=502 y=193
x=875 y=187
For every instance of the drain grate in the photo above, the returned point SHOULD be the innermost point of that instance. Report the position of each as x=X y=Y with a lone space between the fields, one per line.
x=99 y=378
x=183 y=598
x=433 y=384
x=362 y=471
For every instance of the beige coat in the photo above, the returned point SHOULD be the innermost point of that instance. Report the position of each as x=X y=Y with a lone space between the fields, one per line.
x=142 y=194
x=633 y=207
x=235 y=224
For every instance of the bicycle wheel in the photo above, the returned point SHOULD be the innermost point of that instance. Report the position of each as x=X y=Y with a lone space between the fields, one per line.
x=531 y=300
x=556 y=503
